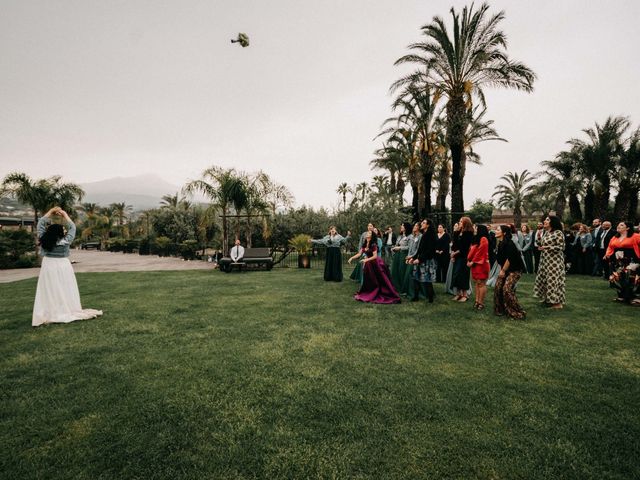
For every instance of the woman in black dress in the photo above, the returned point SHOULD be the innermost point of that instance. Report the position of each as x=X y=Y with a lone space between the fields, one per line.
x=333 y=262
x=443 y=243
x=461 y=272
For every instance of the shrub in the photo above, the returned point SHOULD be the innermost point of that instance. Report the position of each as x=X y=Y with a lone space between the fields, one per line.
x=15 y=244
x=188 y=249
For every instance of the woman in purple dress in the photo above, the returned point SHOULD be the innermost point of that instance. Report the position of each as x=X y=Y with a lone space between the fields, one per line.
x=376 y=286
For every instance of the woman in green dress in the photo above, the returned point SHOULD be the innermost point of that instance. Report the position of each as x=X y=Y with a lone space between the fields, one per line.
x=356 y=274
x=407 y=279
x=399 y=261
x=333 y=261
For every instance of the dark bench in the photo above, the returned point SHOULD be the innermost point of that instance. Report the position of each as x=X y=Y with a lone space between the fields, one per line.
x=253 y=257
x=90 y=245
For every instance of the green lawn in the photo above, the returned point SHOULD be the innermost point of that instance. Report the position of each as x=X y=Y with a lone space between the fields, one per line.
x=277 y=374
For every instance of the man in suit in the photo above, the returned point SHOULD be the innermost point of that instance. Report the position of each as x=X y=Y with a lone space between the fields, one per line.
x=601 y=244
x=536 y=238
x=237 y=252
x=596 y=230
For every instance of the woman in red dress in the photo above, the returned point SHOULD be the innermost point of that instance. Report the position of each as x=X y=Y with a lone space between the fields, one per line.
x=478 y=261
x=376 y=285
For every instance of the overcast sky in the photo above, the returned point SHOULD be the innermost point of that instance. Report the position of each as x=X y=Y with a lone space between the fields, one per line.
x=96 y=89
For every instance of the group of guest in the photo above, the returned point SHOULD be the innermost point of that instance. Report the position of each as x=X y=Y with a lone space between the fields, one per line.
x=408 y=264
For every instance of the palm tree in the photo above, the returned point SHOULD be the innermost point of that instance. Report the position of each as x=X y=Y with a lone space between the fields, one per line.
x=562 y=182
x=225 y=188
x=628 y=179
x=342 y=190
x=417 y=107
x=459 y=66
x=599 y=157
x=120 y=211
x=175 y=202
x=41 y=194
x=362 y=191
x=89 y=208
x=514 y=193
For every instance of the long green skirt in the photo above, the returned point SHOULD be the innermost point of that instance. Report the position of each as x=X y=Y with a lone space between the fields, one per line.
x=333 y=265
x=358 y=274
x=398 y=271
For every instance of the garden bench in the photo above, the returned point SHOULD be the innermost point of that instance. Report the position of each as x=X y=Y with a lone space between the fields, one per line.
x=253 y=257
x=90 y=245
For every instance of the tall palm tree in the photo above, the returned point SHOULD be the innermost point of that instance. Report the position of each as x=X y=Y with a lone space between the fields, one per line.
x=342 y=190
x=600 y=155
x=362 y=191
x=225 y=188
x=120 y=211
x=563 y=182
x=514 y=193
x=459 y=65
x=417 y=113
x=628 y=180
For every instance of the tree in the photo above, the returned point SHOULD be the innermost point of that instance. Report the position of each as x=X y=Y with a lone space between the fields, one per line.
x=459 y=65
x=481 y=211
x=175 y=202
x=342 y=190
x=225 y=188
x=562 y=182
x=120 y=211
x=628 y=180
x=600 y=155
x=41 y=194
x=514 y=193
x=417 y=114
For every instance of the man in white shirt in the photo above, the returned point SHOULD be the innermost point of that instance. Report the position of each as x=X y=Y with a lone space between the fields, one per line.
x=237 y=252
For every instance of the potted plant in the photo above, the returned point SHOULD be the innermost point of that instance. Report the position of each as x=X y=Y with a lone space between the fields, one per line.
x=302 y=244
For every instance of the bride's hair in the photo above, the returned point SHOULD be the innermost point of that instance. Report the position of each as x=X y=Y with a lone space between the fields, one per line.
x=50 y=237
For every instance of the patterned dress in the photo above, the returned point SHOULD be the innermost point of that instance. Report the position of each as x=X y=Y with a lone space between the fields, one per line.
x=550 y=281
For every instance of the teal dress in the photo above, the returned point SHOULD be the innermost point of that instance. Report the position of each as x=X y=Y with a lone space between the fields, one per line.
x=398 y=265
x=333 y=261
x=408 y=285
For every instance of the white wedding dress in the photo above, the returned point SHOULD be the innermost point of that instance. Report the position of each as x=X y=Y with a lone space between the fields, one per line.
x=57 y=296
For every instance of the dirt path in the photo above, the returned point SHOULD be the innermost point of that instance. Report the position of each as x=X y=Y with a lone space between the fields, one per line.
x=94 y=261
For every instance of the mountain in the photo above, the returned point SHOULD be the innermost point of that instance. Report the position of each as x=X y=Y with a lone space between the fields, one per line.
x=141 y=191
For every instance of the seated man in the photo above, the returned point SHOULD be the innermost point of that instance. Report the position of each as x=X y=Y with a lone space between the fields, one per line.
x=237 y=252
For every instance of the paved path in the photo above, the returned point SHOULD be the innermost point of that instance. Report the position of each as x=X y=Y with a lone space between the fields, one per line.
x=95 y=261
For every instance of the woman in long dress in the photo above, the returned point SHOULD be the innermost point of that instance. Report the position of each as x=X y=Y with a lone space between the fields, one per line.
x=57 y=296
x=443 y=246
x=356 y=274
x=414 y=242
x=424 y=262
x=399 y=260
x=527 y=245
x=376 y=286
x=478 y=262
x=549 y=286
x=505 y=301
x=461 y=272
x=333 y=261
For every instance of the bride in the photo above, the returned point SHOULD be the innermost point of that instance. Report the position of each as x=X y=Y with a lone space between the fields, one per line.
x=57 y=297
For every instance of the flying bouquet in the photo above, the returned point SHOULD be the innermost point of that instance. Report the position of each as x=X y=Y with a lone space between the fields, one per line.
x=243 y=39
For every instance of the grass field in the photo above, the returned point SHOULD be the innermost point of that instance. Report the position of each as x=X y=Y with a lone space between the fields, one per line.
x=278 y=374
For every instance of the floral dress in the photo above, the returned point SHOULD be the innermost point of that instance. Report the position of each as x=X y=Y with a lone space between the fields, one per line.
x=550 y=281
